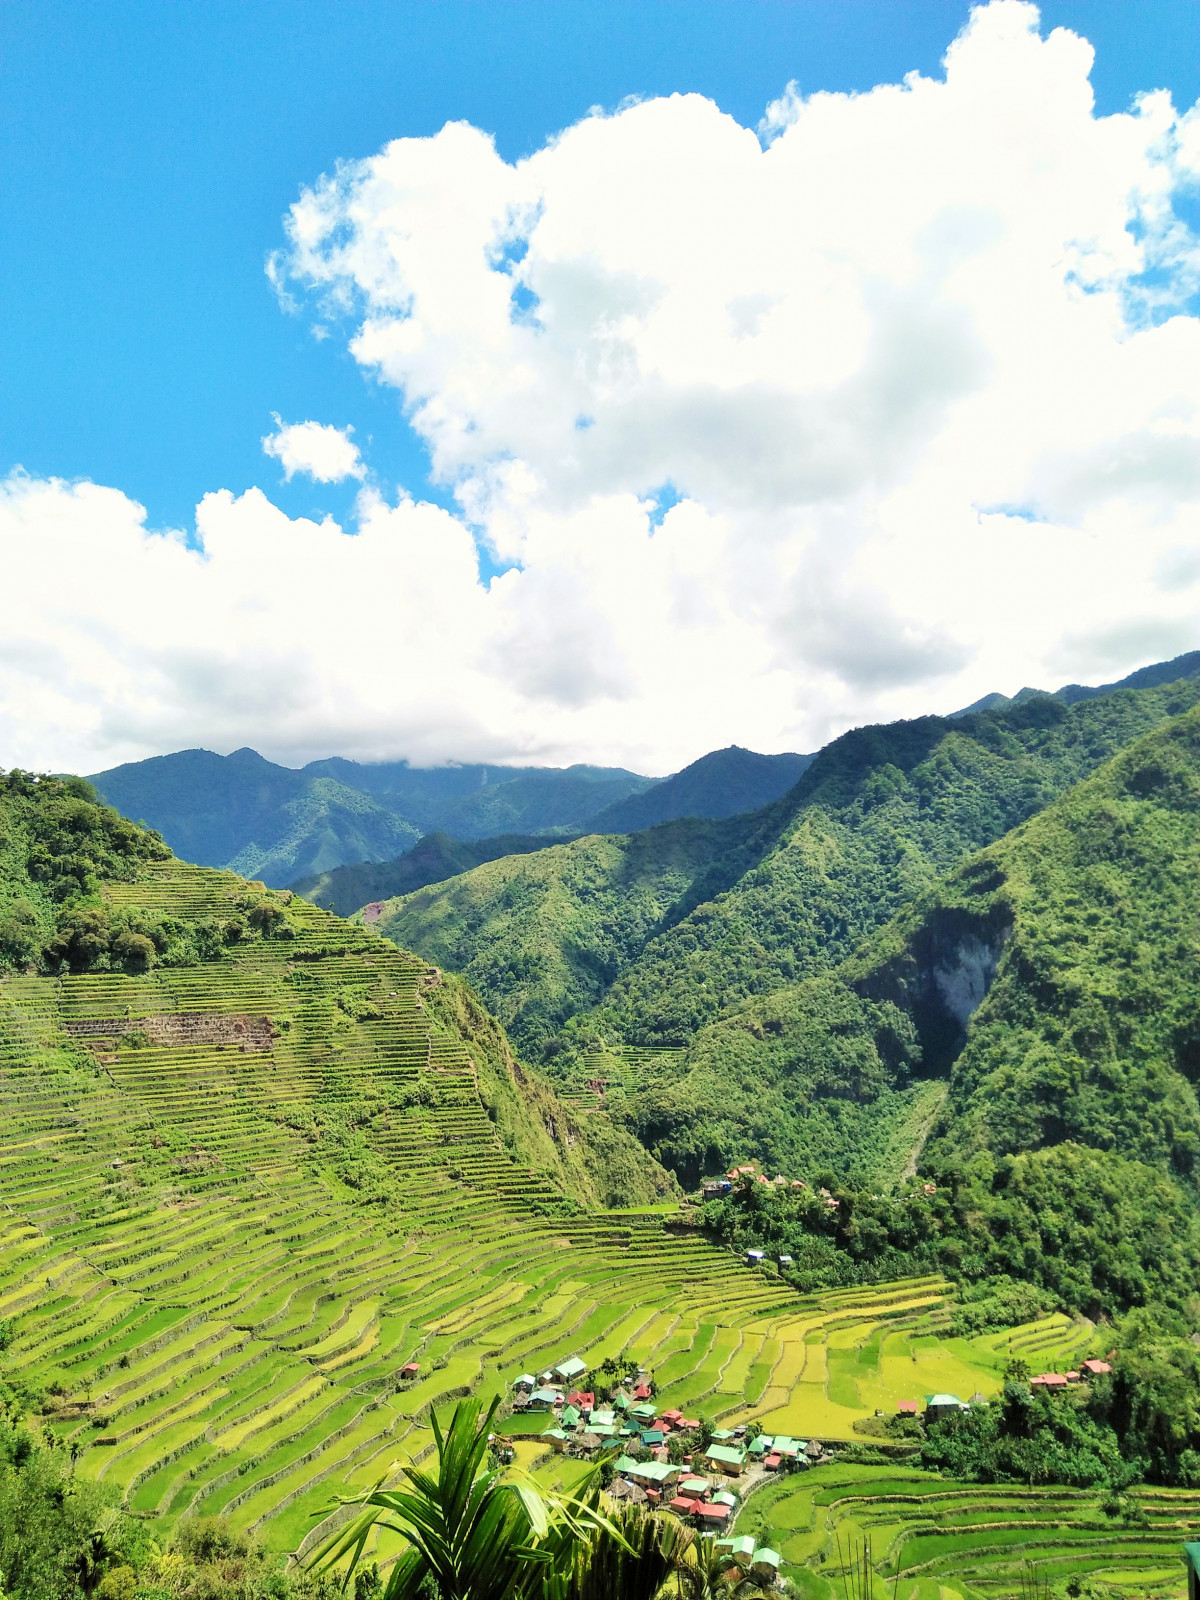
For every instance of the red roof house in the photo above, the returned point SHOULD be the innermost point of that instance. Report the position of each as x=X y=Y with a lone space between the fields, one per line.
x=907 y=1408
x=1095 y=1368
x=1049 y=1380
x=714 y=1513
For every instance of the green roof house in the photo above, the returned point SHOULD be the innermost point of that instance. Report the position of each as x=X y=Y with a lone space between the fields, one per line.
x=606 y=1417
x=723 y=1435
x=526 y=1381
x=654 y=1472
x=760 y=1446
x=729 y=1460
x=942 y=1404
x=570 y=1369
x=742 y=1550
x=645 y=1412
x=570 y=1417
x=725 y=1498
x=766 y=1563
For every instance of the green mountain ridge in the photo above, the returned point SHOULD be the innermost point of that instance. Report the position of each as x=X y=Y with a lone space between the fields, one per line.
x=646 y=943
x=296 y=828
x=279 y=824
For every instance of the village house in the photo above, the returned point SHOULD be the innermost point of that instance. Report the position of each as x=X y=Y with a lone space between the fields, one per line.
x=544 y=1399
x=1191 y=1560
x=650 y=1474
x=764 y=1564
x=410 y=1369
x=726 y=1458
x=569 y=1370
x=938 y=1406
x=1095 y=1369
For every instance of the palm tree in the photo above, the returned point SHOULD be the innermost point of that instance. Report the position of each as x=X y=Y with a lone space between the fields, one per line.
x=478 y=1538
x=629 y=1560
x=704 y=1573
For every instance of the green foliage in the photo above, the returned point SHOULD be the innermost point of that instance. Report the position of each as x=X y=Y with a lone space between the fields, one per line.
x=1079 y=1229
x=433 y=859
x=476 y=1536
x=1152 y=1397
x=543 y=936
x=1028 y=1436
x=58 y=848
x=58 y=1536
x=1141 y=1421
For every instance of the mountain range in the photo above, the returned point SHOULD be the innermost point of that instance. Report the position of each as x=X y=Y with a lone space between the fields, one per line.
x=281 y=824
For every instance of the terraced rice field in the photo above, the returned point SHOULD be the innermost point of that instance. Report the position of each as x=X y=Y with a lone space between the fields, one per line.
x=932 y=1539
x=221 y=1315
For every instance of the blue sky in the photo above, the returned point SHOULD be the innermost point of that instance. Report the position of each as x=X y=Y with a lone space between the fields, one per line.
x=757 y=412
x=151 y=150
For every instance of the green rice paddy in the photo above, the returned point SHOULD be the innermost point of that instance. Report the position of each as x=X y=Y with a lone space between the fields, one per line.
x=218 y=1318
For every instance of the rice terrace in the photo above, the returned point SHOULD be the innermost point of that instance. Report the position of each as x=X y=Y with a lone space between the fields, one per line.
x=222 y=1327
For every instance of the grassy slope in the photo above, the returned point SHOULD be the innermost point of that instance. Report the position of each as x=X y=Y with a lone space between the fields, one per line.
x=652 y=939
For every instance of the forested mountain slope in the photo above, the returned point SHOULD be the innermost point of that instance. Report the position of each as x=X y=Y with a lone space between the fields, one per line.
x=546 y=934
x=245 y=813
x=1051 y=987
x=567 y=947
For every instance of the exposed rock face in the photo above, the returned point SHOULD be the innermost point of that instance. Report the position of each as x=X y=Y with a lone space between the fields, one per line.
x=942 y=977
x=177 y=1028
x=965 y=979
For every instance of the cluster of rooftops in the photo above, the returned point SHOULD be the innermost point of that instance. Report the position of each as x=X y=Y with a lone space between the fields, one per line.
x=700 y=1487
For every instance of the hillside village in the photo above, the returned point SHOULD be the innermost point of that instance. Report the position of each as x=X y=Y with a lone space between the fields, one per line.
x=660 y=1457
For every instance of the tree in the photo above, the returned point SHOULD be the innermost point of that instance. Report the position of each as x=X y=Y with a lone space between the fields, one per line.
x=477 y=1537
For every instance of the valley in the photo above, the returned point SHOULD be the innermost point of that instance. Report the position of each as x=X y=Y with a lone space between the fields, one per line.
x=278 y=1191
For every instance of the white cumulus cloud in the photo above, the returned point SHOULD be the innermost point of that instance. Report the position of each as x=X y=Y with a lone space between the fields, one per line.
x=890 y=403
x=318 y=449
